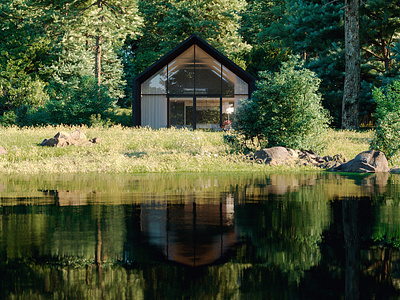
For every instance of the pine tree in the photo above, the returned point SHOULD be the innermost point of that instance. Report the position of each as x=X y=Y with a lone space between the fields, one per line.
x=166 y=23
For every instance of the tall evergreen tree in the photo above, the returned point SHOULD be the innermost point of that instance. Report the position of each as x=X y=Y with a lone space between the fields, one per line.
x=166 y=23
x=101 y=26
x=267 y=50
x=313 y=30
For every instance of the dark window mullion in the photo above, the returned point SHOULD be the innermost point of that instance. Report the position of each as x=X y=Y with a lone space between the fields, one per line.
x=194 y=87
x=220 y=101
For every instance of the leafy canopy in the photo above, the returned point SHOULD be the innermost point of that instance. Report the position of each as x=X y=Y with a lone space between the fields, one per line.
x=387 y=133
x=285 y=110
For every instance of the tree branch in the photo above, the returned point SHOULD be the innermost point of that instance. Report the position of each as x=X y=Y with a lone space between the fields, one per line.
x=373 y=54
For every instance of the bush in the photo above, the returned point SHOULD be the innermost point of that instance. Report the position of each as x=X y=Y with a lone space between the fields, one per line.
x=387 y=114
x=73 y=106
x=285 y=110
x=8 y=118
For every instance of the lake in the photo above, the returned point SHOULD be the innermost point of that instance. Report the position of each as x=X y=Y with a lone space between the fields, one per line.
x=200 y=236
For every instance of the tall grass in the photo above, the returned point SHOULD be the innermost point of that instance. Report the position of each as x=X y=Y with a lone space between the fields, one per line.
x=144 y=150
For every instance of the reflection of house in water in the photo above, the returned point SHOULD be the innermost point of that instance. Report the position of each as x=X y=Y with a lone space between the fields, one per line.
x=190 y=234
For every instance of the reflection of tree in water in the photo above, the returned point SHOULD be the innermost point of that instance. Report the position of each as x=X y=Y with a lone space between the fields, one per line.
x=49 y=250
x=284 y=232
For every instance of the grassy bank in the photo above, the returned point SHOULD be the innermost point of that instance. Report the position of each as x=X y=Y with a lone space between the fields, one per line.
x=129 y=150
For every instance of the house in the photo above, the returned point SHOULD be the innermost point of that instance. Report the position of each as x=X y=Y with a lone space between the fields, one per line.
x=194 y=85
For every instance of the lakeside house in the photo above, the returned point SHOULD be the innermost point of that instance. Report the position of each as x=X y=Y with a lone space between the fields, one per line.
x=194 y=86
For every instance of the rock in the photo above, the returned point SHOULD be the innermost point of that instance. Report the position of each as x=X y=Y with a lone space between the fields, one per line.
x=395 y=170
x=78 y=135
x=2 y=150
x=77 y=138
x=366 y=162
x=341 y=158
x=55 y=142
x=274 y=156
x=62 y=134
x=95 y=140
x=328 y=165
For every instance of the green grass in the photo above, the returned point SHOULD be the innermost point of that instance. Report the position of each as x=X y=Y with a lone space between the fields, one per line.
x=133 y=150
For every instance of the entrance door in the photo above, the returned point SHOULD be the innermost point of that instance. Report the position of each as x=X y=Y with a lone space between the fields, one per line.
x=181 y=112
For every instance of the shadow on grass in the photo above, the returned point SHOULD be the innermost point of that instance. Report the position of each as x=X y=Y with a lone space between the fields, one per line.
x=136 y=154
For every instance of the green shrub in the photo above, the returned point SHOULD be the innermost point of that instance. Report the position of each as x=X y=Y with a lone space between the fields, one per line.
x=72 y=106
x=8 y=118
x=387 y=114
x=285 y=110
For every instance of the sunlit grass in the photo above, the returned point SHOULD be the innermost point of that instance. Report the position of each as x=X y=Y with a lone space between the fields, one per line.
x=134 y=150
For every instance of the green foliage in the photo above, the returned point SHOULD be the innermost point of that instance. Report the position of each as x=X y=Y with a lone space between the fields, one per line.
x=74 y=105
x=167 y=23
x=8 y=118
x=24 y=50
x=285 y=110
x=387 y=134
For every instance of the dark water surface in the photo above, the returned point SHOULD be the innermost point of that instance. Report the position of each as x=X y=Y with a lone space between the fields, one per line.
x=201 y=236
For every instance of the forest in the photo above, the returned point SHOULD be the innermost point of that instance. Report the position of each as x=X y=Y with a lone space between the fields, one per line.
x=72 y=61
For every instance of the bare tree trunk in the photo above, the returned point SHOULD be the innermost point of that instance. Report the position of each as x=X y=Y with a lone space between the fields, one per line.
x=97 y=67
x=352 y=70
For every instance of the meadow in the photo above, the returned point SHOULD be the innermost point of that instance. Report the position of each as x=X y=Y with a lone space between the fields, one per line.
x=144 y=150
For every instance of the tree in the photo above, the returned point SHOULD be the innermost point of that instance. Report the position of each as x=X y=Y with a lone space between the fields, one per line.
x=99 y=25
x=166 y=23
x=313 y=30
x=285 y=110
x=267 y=51
x=352 y=80
x=387 y=133
x=24 y=49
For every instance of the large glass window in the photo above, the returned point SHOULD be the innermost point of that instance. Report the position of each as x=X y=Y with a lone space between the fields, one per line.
x=181 y=74
x=208 y=74
x=156 y=84
x=207 y=112
x=200 y=91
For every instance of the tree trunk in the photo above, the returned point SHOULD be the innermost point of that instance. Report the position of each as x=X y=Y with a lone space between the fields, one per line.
x=97 y=67
x=352 y=246
x=352 y=70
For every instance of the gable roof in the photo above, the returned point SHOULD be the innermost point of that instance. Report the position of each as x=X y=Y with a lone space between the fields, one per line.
x=210 y=50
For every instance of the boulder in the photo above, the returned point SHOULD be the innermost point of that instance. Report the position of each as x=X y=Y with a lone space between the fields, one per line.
x=55 y=142
x=395 y=170
x=77 y=138
x=2 y=150
x=62 y=134
x=274 y=156
x=366 y=162
x=78 y=135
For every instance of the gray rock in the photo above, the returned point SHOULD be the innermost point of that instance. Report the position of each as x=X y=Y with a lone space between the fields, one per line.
x=62 y=134
x=77 y=138
x=274 y=156
x=395 y=170
x=366 y=162
x=55 y=142
x=78 y=135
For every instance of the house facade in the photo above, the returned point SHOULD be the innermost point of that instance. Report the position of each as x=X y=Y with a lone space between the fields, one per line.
x=193 y=86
